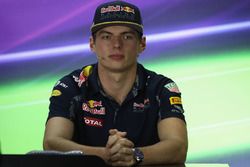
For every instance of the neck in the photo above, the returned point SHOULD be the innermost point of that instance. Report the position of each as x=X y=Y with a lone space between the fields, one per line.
x=117 y=84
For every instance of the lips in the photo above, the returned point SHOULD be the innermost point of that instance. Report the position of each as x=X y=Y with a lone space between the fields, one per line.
x=117 y=56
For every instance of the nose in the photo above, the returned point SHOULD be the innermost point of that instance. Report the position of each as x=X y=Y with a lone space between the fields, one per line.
x=117 y=42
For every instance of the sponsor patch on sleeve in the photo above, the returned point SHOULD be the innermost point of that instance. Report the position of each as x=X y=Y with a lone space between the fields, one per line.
x=56 y=93
x=172 y=87
x=178 y=109
x=175 y=100
x=83 y=75
x=60 y=83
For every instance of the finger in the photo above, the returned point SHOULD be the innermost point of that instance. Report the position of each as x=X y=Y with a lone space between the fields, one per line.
x=121 y=134
x=127 y=151
x=112 y=140
x=121 y=145
x=116 y=132
x=125 y=142
x=123 y=163
x=117 y=163
x=123 y=154
x=119 y=157
x=115 y=148
x=113 y=131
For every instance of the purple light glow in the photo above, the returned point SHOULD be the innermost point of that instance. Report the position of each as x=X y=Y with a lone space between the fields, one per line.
x=43 y=53
x=182 y=34
x=53 y=24
x=198 y=32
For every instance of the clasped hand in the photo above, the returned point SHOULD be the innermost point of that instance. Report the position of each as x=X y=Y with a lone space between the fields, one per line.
x=119 y=149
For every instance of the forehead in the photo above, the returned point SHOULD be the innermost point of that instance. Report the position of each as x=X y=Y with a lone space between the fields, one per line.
x=116 y=29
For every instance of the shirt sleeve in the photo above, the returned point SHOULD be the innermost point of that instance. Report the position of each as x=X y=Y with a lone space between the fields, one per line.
x=63 y=92
x=170 y=102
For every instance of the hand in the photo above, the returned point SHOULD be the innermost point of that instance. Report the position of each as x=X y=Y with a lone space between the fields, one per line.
x=114 y=135
x=119 y=149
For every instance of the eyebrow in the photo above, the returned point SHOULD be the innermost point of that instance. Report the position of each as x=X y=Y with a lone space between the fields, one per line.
x=125 y=32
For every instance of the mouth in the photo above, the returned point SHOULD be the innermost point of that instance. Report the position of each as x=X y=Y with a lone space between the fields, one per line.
x=117 y=57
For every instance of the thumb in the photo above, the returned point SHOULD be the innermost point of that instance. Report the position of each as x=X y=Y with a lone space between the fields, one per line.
x=116 y=132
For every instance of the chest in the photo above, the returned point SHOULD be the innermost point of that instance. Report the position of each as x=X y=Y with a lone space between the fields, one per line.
x=96 y=115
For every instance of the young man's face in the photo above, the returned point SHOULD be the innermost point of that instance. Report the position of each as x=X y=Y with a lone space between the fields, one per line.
x=117 y=47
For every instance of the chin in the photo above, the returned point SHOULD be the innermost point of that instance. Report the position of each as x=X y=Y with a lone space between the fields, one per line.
x=118 y=67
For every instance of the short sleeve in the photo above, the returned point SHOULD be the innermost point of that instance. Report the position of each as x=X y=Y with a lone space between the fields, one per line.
x=171 y=102
x=63 y=92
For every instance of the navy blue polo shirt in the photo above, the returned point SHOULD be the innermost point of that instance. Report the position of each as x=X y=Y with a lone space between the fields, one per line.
x=79 y=97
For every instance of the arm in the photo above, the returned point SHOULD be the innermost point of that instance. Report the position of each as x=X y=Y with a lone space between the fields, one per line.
x=173 y=144
x=58 y=136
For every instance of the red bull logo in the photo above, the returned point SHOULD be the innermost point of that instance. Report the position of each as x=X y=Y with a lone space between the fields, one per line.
x=128 y=9
x=140 y=105
x=94 y=107
x=117 y=8
x=83 y=75
x=111 y=9
x=93 y=104
x=82 y=79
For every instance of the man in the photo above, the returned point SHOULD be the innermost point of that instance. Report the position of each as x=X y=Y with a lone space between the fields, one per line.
x=116 y=109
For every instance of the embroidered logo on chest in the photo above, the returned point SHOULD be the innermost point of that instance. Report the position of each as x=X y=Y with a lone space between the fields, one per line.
x=93 y=107
x=140 y=107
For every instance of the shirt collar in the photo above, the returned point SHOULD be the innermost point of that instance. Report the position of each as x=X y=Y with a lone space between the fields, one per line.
x=95 y=86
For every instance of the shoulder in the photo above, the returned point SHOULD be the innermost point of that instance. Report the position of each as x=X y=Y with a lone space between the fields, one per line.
x=156 y=80
x=167 y=94
x=72 y=83
x=67 y=85
x=69 y=80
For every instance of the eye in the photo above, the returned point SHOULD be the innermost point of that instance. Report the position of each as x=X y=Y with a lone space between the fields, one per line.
x=128 y=36
x=106 y=36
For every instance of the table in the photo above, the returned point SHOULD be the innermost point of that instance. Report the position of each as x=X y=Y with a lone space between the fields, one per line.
x=192 y=165
x=72 y=161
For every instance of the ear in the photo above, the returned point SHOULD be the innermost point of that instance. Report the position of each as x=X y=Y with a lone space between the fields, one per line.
x=92 y=44
x=142 y=44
